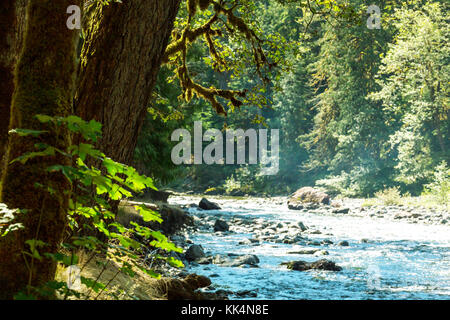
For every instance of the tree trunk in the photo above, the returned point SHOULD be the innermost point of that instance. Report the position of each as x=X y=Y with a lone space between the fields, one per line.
x=120 y=60
x=12 y=20
x=45 y=84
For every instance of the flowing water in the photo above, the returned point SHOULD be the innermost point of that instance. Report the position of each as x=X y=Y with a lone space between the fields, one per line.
x=397 y=260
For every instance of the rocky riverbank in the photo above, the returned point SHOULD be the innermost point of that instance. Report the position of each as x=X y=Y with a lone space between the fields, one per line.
x=302 y=238
x=304 y=245
x=352 y=207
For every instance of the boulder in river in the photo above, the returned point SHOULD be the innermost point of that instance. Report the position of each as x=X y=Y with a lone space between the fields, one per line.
x=322 y=264
x=341 y=210
x=301 y=226
x=194 y=252
x=246 y=294
x=236 y=260
x=205 y=204
x=307 y=195
x=221 y=225
x=304 y=251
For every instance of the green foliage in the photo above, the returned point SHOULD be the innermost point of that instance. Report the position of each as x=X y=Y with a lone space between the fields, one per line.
x=389 y=196
x=439 y=188
x=414 y=90
x=357 y=109
x=111 y=181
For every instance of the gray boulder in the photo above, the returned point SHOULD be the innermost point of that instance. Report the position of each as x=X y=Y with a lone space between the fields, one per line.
x=236 y=260
x=302 y=226
x=343 y=243
x=322 y=264
x=341 y=210
x=221 y=225
x=208 y=205
x=194 y=252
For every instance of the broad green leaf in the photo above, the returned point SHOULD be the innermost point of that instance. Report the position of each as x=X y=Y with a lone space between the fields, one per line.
x=148 y=215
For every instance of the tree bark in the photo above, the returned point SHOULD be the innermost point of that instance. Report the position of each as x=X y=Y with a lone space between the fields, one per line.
x=44 y=80
x=12 y=20
x=120 y=60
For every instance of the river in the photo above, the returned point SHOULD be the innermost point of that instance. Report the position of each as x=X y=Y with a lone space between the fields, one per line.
x=383 y=260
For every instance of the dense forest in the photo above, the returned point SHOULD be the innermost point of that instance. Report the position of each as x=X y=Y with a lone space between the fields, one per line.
x=359 y=110
x=91 y=93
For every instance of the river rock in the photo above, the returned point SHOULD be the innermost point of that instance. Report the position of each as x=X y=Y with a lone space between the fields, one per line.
x=321 y=253
x=208 y=205
x=246 y=294
x=185 y=289
x=341 y=210
x=322 y=264
x=194 y=252
x=307 y=196
x=343 y=243
x=221 y=225
x=304 y=251
x=236 y=260
x=301 y=226
x=250 y=241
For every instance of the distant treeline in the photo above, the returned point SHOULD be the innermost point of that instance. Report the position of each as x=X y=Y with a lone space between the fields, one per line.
x=359 y=109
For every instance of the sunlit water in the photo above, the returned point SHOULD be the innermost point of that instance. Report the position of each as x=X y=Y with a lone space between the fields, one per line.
x=399 y=261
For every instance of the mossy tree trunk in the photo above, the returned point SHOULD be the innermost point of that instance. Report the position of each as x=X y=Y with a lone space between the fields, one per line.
x=12 y=20
x=44 y=84
x=120 y=60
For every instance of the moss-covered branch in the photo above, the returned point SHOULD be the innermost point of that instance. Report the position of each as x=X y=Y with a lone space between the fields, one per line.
x=223 y=16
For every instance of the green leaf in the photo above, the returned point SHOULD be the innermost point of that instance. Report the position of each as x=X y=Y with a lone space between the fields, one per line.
x=92 y=284
x=175 y=262
x=148 y=215
x=34 y=245
x=44 y=118
x=151 y=273
x=84 y=149
x=50 y=151
x=27 y=132
x=113 y=167
x=101 y=226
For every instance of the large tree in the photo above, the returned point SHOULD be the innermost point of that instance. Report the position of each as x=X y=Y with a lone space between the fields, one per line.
x=413 y=77
x=44 y=83
x=12 y=15
x=120 y=60
x=349 y=135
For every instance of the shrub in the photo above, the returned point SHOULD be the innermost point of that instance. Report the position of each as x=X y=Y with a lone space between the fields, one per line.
x=439 y=188
x=92 y=190
x=389 y=196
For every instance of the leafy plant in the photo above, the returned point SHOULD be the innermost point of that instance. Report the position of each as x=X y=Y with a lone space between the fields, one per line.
x=440 y=186
x=389 y=196
x=92 y=190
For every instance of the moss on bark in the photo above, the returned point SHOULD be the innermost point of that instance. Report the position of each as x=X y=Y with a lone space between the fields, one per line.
x=44 y=81
x=11 y=18
x=118 y=73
